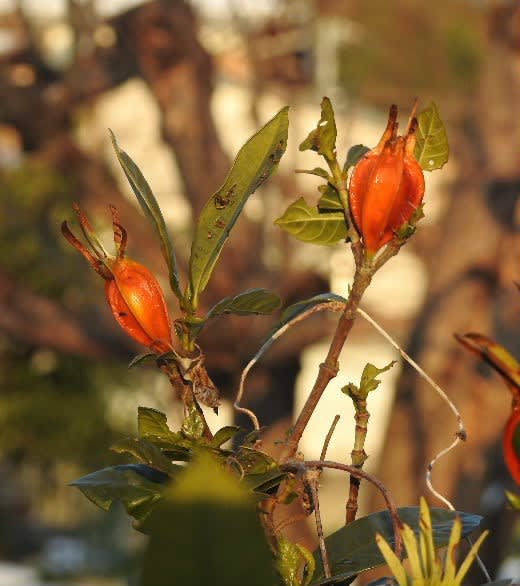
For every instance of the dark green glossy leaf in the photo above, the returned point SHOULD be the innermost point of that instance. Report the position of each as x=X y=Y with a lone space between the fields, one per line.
x=504 y=582
x=323 y=138
x=296 y=309
x=129 y=485
x=224 y=434
x=354 y=155
x=432 y=150
x=384 y=582
x=206 y=531
x=255 y=162
x=316 y=171
x=251 y=302
x=329 y=199
x=266 y=482
x=151 y=208
x=352 y=549
x=310 y=225
x=145 y=452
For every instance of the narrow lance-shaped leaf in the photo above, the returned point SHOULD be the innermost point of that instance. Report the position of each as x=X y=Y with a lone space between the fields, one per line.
x=309 y=224
x=431 y=149
x=255 y=162
x=296 y=309
x=253 y=301
x=151 y=208
x=318 y=171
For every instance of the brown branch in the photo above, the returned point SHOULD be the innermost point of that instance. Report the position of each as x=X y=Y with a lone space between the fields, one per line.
x=296 y=466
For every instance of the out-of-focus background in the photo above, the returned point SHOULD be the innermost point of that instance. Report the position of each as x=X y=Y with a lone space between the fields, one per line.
x=183 y=84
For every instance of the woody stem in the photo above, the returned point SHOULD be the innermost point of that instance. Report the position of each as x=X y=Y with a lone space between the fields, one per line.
x=358 y=455
x=329 y=368
x=185 y=391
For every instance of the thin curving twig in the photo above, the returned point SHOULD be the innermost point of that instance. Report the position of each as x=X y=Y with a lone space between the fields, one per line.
x=297 y=466
x=461 y=433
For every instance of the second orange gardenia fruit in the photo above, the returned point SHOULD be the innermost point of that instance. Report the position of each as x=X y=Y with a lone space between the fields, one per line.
x=387 y=186
x=133 y=293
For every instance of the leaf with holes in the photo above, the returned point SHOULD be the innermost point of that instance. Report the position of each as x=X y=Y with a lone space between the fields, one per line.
x=309 y=224
x=255 y=162
x=323 y=138
x=431 y=149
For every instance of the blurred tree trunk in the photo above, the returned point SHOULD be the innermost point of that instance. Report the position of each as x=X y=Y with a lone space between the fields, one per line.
x=471 y=289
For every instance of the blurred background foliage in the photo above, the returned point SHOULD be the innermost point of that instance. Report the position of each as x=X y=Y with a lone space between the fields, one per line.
x=189 y=73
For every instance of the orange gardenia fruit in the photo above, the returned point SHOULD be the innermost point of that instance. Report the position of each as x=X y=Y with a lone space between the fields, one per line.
x=137 y=302
x=132 y=291
x=511 y=444
x=387 y=186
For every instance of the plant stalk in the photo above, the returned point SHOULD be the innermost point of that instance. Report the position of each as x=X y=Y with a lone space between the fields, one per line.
x=358 y=456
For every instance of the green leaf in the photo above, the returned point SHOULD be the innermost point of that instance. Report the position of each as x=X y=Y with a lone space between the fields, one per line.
x=255 y=162
x=354 y=155
x=250 y=302
x=206 y=531
x=152 y=425
x=369 y=380
x=224 y=434
x=122 y=484
x=142 y=359
x=151 y=208
x=323 y=138
x=310 y=564
x=432 y=149
x=316 y=171
x=145 y=452
x=254 y=461
x=289 y=562
x=193 y=425
x=266 y=482
x=296 y=309
x=353 y=549
x=514 y=500
x=310 y=225
x=329 y=199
